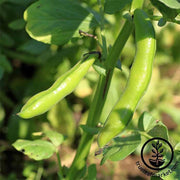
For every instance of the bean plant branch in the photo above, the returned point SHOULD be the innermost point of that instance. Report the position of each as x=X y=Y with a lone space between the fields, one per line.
x=100 y=97
x=99 y=100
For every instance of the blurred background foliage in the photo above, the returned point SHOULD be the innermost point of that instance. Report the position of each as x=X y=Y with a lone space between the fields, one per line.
x=28 y=66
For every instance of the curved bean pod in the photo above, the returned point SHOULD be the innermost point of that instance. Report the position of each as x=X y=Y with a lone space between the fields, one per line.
x=138 y=81
x=64 y=85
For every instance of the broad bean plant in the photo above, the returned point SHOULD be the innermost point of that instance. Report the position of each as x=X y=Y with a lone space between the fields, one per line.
x=58 y=22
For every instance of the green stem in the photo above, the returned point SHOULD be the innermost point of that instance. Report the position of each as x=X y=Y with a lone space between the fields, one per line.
x=99 y=101
x=157 y=18
x=136 y=4
x=39 y=173
x=60 y=173
x=146 y=135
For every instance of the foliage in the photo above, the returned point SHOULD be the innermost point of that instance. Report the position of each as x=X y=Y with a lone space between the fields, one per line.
x=44 y=44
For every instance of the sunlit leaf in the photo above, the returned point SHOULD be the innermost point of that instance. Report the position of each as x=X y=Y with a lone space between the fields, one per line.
x=57 y=21
x=37 y=149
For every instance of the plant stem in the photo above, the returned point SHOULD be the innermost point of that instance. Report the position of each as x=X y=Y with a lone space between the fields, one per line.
x=145 y=134
x=136 y=4
x=99 y=101
x=60 y=173
x=39 y=173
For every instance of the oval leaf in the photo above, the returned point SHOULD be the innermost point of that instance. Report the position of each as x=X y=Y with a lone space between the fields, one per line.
x=57 y=21
x=121 y=148
x=130 y=144
x=55 y=137
x=38 y=149
x=112 y=6
x=175 y=4
x=160 y=130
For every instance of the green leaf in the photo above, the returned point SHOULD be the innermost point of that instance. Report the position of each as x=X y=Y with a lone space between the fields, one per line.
x=90 y=130
x=159 y=130
x=33 y=47
x=126 y=145
x=37 y=149
x=19 y=2
x=146 y=122
x=174 y=4
x=122 y=147
x=91 y=172
x=6 y=40
x=55 y=137
x=152 y=127
x=57 y=21
x=99 y=68
x=168 y=13
x=113 y=6
x=1 y=72
x=108 y=153
x=4 y=63
x=17 y=24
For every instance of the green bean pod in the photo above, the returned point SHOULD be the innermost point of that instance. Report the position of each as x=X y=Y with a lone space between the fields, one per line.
x=138 y=80
x=64 y=85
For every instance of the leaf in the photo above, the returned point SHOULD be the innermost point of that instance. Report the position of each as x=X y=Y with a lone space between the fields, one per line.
x=4 y=63
x=113 y=6
x=55 y=137
x=91 y=172
x=17 y=24
x=153 y=151
x=167 y=12
x=174 y=4
x=121 y=148
x=90 y=130
x=6 y=39
x=37 y=149
x=146 y=122
x=108 y=153
x=1 y=72
x=33 y=47
x=159 y=130
x=57 y=21
x=19 y=2
x=99 y=67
